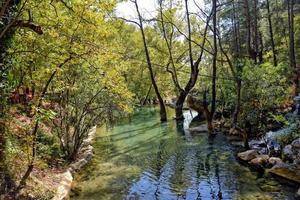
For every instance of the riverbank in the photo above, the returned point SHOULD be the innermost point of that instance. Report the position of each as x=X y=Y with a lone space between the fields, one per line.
x=142 y=158
x=51 y=173
x=84 y=157
x=279 y=167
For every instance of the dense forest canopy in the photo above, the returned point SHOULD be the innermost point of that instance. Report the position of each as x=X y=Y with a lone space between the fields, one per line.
x=67 y=65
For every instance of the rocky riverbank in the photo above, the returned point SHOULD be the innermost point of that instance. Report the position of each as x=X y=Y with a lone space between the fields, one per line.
x=278 y=153
x=285 y=172
x=85 y=156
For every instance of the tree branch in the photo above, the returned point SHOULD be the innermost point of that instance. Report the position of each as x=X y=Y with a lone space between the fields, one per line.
x=28 y=24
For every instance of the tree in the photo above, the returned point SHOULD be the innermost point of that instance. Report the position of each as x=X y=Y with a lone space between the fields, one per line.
x=292 y=55
x=163 y=113
x=214 y=65
x=271 y=34
x=9 y=21
x=193 y=64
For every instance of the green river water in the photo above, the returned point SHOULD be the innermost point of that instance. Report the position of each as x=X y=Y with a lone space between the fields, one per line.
x=140 y=158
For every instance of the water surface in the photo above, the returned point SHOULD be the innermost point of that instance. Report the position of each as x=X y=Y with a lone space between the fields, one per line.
x=140 y=158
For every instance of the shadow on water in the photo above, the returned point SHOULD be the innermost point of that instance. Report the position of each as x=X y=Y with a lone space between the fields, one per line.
x=144 y=159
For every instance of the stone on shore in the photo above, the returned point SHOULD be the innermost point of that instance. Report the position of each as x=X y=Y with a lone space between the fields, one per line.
x=275 y=161
x=64 y=187
x=247 y=155
x=260 y=160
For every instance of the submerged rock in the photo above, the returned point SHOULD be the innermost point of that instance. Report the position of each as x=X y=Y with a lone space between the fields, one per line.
x=287 y=174
x=199 y=129
x=247 y=155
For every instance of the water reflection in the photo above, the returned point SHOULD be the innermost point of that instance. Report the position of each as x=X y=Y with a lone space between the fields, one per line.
x=145 y=160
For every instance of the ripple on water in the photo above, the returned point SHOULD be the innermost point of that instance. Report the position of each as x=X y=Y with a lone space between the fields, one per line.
x=148 y=161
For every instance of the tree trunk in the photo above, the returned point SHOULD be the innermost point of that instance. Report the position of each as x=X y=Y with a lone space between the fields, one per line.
x=36 y=126
x=179 y=105
x=248 y=27
x=256 y=35
x=214 y=66
x=163 y=113
x=271 y=34
x=292 y=44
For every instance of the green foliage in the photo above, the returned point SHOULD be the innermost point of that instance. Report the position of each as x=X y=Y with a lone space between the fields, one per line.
x=48 y=146
x=264 y=88
x=279 y=118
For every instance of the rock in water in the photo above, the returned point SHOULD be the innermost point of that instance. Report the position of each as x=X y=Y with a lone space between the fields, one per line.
x=199 y=129
x=247 y=155
x=289 y=175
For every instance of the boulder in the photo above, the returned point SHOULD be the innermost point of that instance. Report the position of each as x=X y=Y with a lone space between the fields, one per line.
x=260 y=160
x=78 y=165
x=296 y=146
x=247 y=155
x=64 y=187
x=286 y=174
x=257 y=162
x=287 y=152
x=274 y=161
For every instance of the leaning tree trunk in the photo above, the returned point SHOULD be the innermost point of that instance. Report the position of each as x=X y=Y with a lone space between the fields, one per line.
x=193 y=65
x=163 y=113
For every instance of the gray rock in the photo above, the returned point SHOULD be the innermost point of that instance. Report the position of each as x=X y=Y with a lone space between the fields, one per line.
x=296 y=145
x=287 y=152
x=89 y=156
x=260 y=160
x=248 y=155
x=64 y=187
x=297 y=158
x=275 y=161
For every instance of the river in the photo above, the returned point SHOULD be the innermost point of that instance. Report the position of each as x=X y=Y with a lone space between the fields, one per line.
x=140 y=158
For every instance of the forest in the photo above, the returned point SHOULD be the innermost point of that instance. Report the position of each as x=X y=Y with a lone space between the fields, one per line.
x=186 y=99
